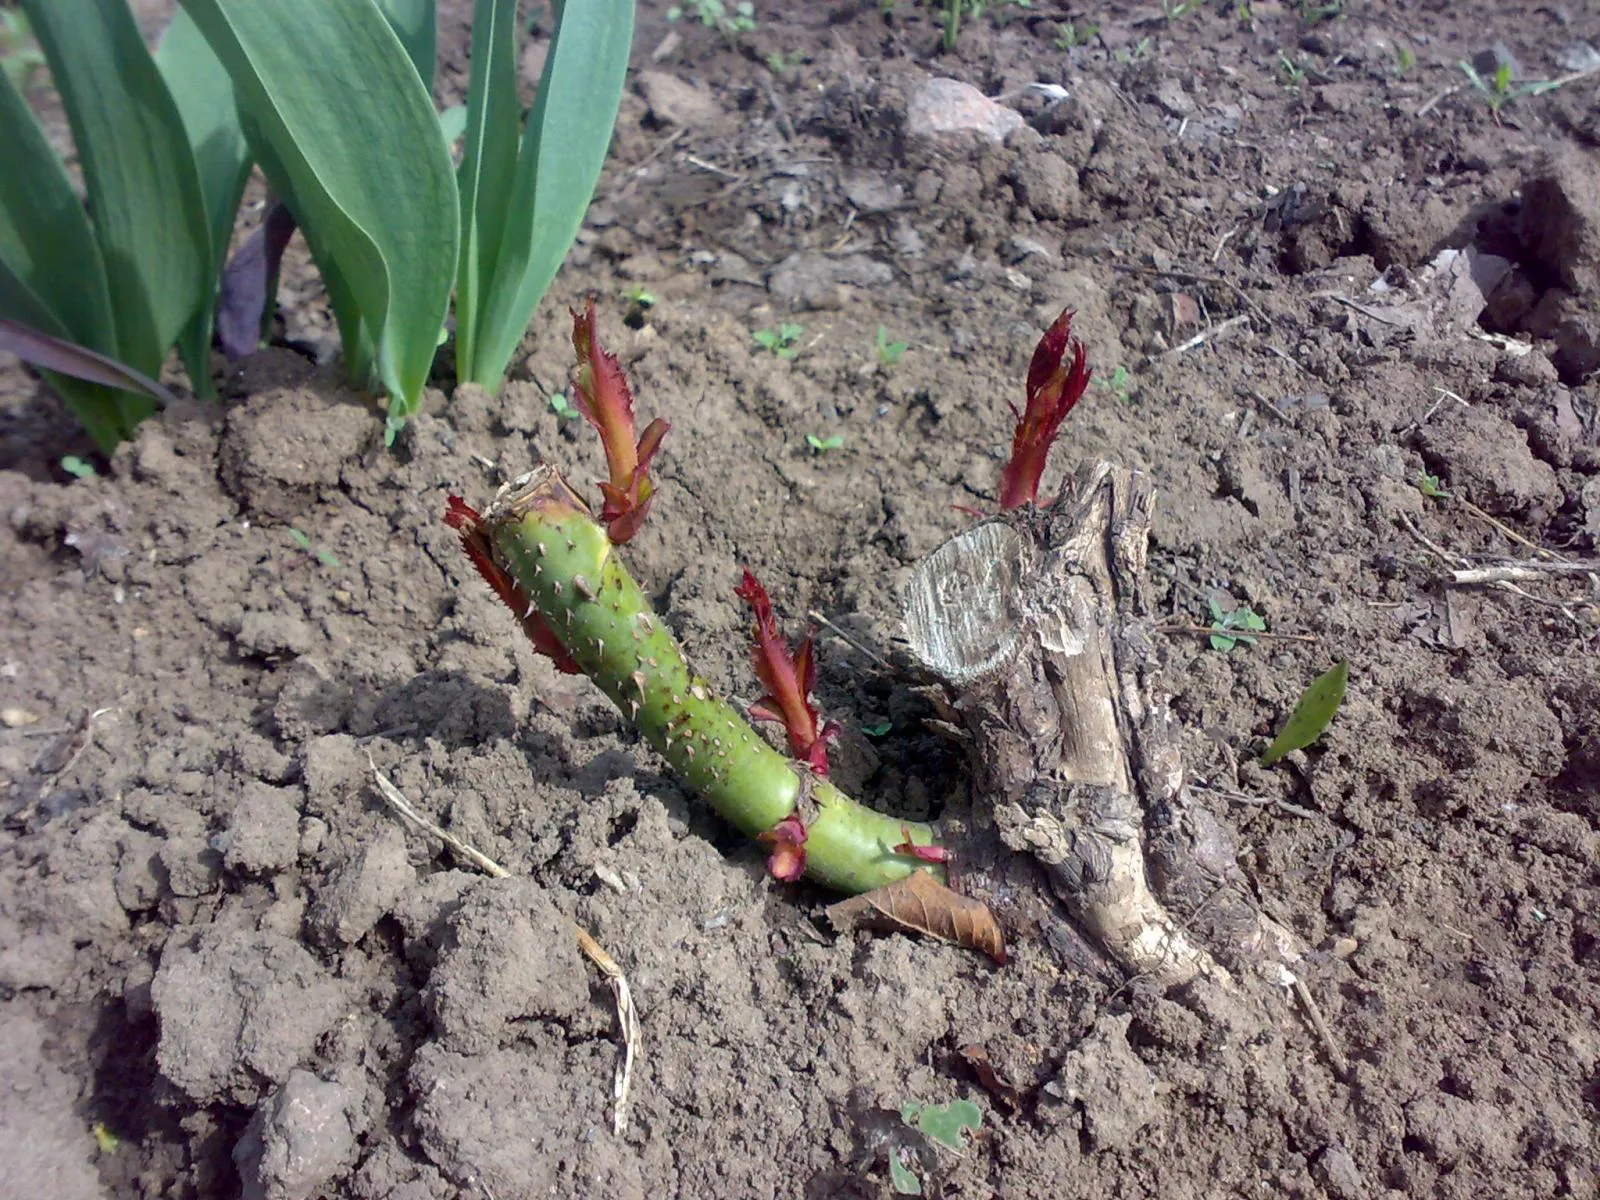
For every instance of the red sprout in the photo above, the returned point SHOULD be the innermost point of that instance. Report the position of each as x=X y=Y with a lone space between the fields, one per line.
x=606 y=401
x=787 y=862
x=928 y=854
x=468 y=524
x=789 y=680
x=1057 y=379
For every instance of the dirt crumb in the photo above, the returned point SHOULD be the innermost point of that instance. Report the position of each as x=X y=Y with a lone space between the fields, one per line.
x=238 y=1008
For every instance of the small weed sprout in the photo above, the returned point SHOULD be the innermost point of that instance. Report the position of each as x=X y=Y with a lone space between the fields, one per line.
x=1138 y=53
x=944 y=1124
x=781 y=64
x=1431 y=487
x=561 y=404
x=1405 y=58
x=78 y=468
x=1173 y=9
x=821 y=445
x=639 y=296
x=303 y=540
x=1075 y=34
x=1500 y=90
x=1312 y=13
x=1243 y=14
x=1235 y=626
x=714 y=14
x=889 y=353
x=1119 y=385
x=1294 y=71
x=781 y=341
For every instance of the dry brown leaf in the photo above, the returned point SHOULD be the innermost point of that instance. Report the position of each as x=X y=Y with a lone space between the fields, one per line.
x=978 y=1059
x=919 y=903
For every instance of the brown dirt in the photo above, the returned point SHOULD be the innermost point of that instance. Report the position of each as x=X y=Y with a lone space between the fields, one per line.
x=216 y=944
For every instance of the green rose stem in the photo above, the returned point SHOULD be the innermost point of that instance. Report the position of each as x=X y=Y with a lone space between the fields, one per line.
x=540 y=549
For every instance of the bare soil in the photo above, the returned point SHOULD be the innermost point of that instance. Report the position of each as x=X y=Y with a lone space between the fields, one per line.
x=221 y=952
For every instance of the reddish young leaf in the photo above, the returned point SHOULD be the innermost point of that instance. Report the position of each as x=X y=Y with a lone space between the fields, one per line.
x=468 y=524
x=606 y=401
x=919 y=903
x=787 y=862
x=931 y=854
x=789 y=680
x=1057 y=379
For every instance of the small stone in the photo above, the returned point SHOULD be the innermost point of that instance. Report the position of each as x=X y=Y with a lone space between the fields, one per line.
x=1174 y=101
x=17 y=718
x=942 y=106
x=675 y=102
x=299 y=1141
x=1344 y=947
x=1336 y=1171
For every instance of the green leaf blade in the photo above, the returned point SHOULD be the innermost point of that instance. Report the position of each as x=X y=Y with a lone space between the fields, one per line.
x=1312 y=714
x=46 y=243
x=488 y=172
x=563 y=149
x=149 y=217
x=355 y=150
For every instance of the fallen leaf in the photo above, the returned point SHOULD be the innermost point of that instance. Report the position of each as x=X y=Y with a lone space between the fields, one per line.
x=919 y=903
x=978 y=1059
x=1312 y=714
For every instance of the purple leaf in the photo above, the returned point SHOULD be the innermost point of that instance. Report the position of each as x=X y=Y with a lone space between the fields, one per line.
x=69 y=358
x=250 y=284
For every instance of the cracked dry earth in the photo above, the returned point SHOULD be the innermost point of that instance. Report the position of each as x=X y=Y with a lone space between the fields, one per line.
x=225 y=968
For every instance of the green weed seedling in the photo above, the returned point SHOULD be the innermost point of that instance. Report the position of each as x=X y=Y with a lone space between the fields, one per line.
x=1498 y=91
x=1431 y=487
x=326 y=557
x=821 y=445
x=714 y=14
x=1405 y=58
x=1075 y=34
x=1314 y=13
x=945 y=1124
x=1312 y=714
x=1234 y=627
x=1138 y=53
x=781 y=341
x=561 y=404
x=78 y=468
x=1294 y=70
x=781 y=64
x=889 y=353
x=1119 y=385
x=1173 y=9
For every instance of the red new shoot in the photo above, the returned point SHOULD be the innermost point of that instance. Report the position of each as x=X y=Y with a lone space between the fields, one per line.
x=908 y=847
x=605 y=399
x=787 y=862
x=469 y=526
x=1057 y=378
x=788 y=680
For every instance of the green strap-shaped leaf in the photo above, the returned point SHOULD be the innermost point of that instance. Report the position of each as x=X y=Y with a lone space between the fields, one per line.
x=204 y=96
x=563 y=149
x=488 y=168
x=27 y=329
x=46 y=244
x=357 y=154
x=149 y=217
x=1312 y=714
x=416 y=24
